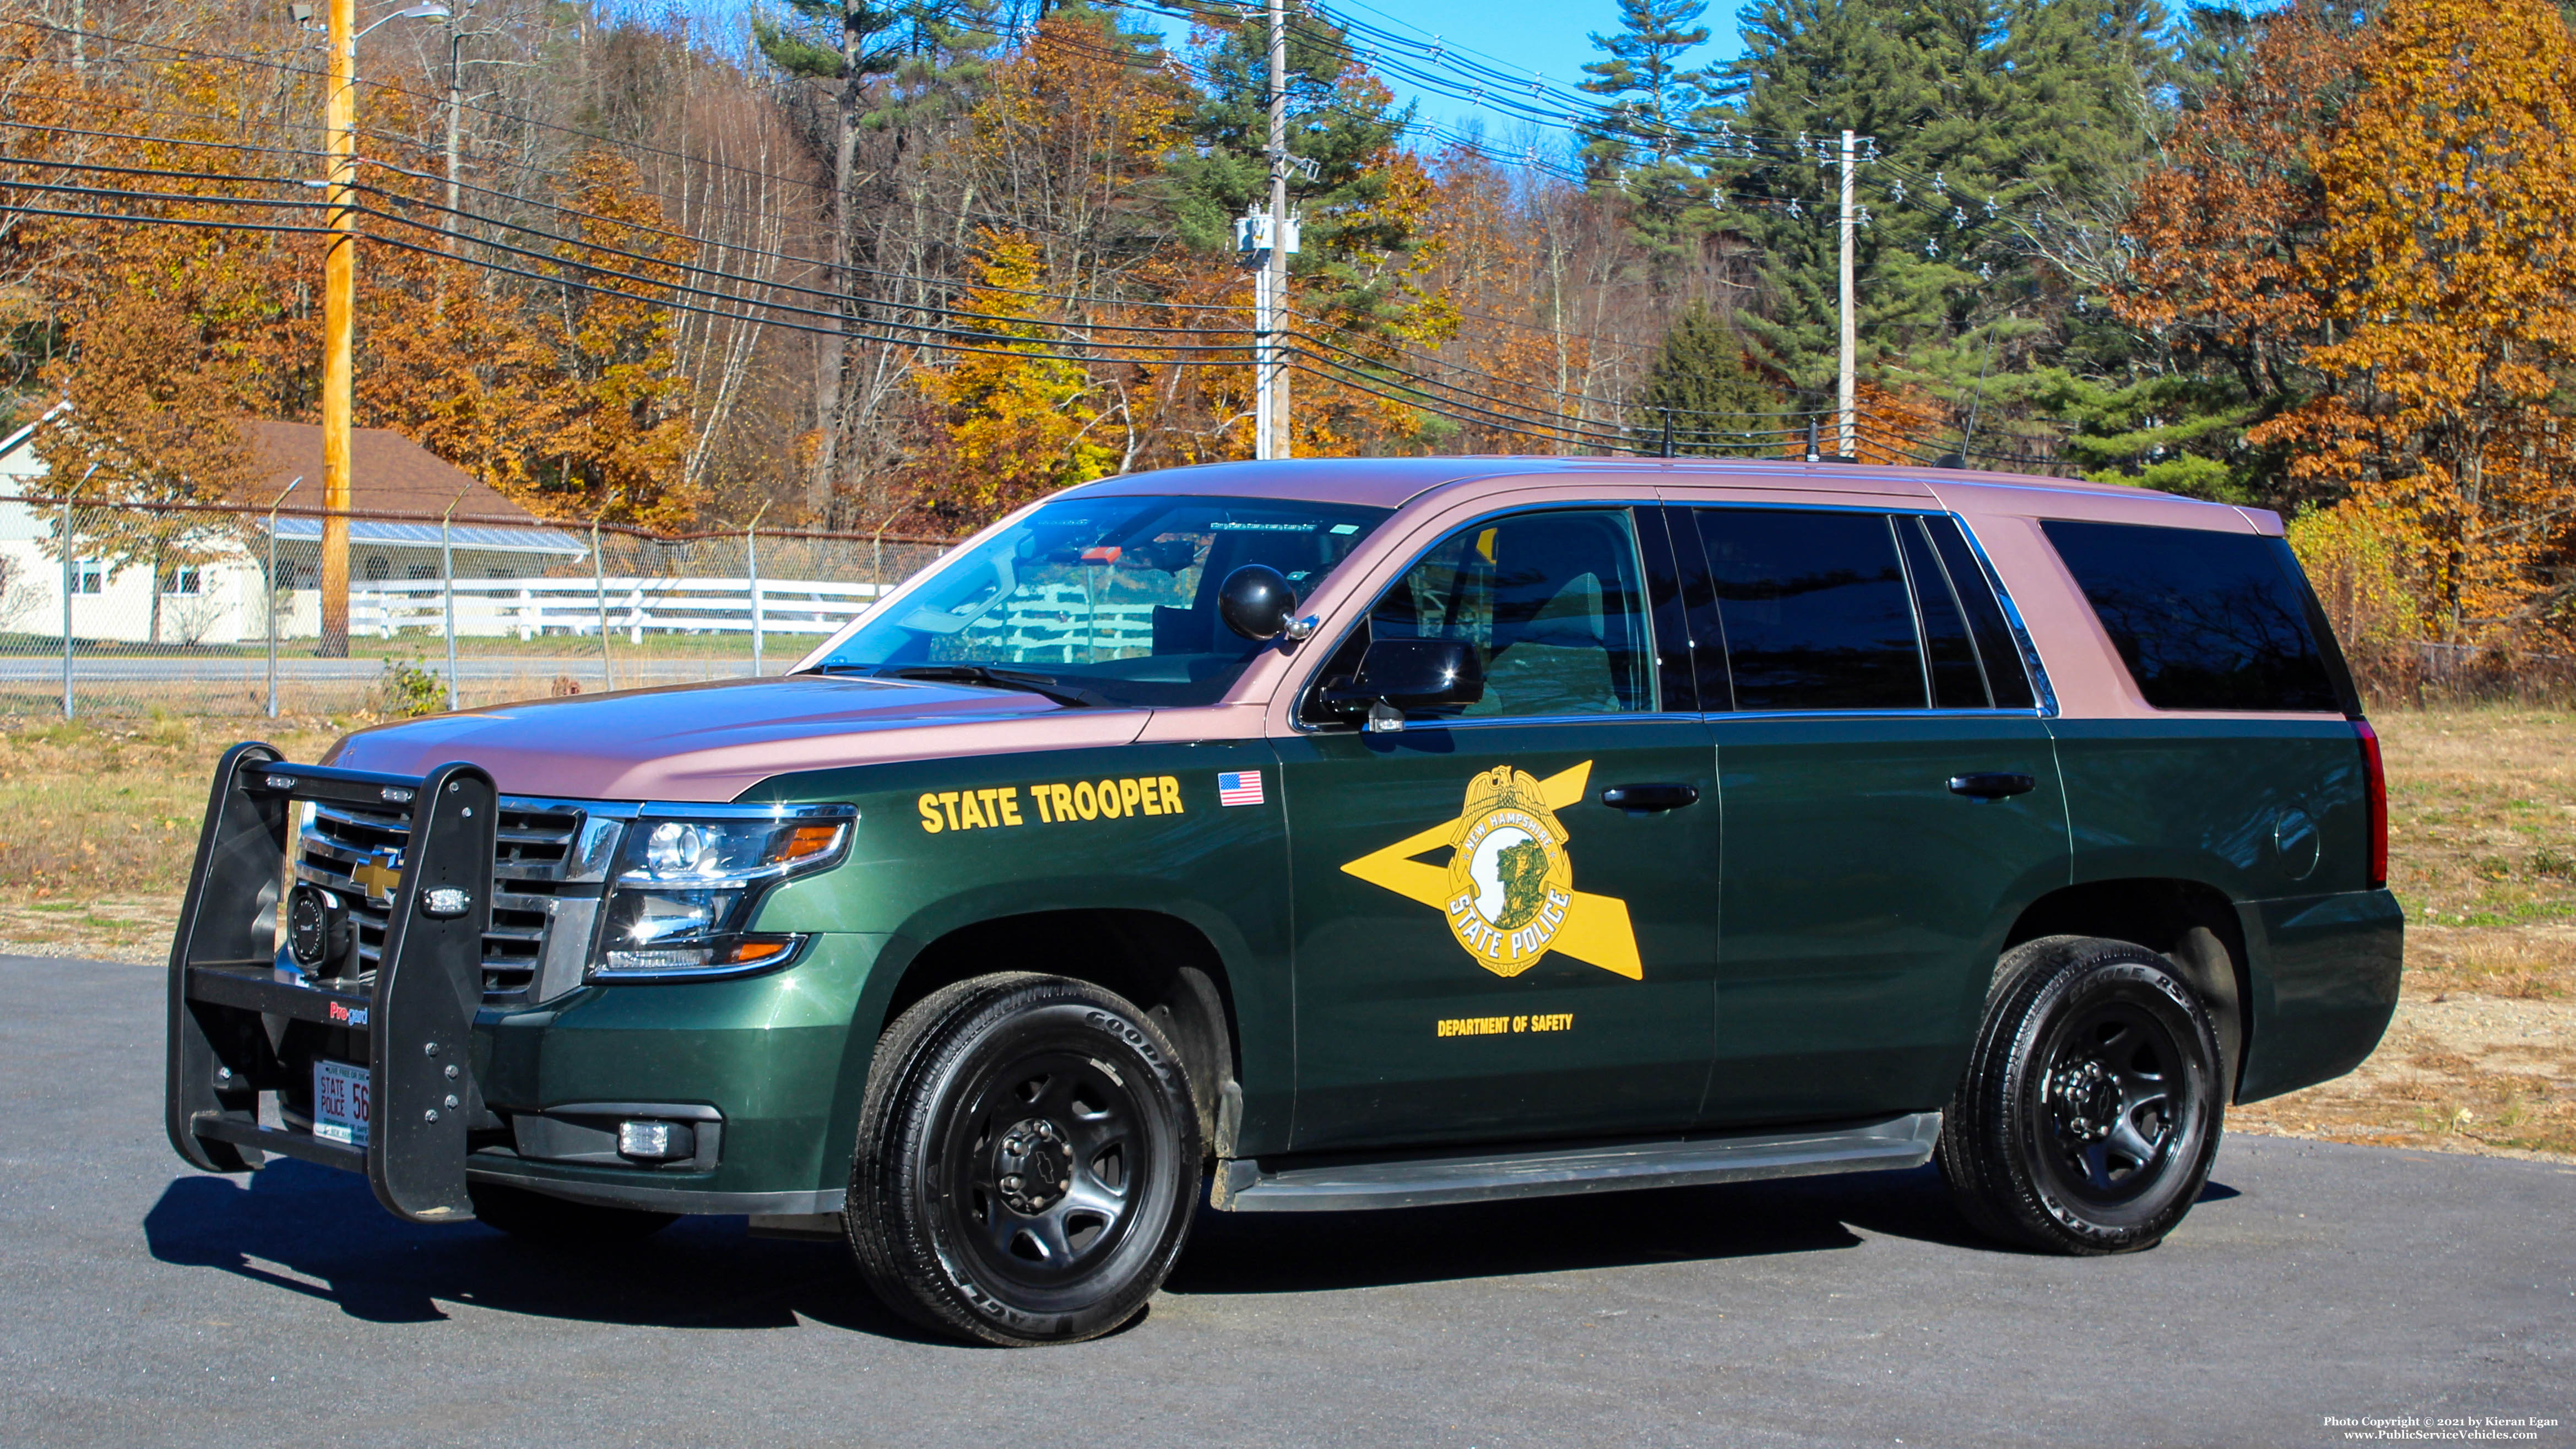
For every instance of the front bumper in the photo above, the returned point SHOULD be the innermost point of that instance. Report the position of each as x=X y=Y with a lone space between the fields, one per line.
x=772 y=1057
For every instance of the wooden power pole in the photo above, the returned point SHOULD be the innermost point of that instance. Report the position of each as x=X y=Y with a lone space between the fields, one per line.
x=1277 y=262
x=339 y=323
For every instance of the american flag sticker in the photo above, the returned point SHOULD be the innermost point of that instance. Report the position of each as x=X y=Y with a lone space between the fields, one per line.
x=1242 y=788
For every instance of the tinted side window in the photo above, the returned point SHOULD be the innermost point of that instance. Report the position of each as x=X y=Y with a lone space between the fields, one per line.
x=1667 y=576
x=1815 y=609
x=1957 y=682
x=1552 y=602
x=1997 y=648
x=2204 y=620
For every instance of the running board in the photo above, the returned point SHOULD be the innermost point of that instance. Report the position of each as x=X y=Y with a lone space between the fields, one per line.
x=1242 y=1185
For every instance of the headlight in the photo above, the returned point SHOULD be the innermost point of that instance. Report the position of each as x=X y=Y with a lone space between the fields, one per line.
x=686 y=888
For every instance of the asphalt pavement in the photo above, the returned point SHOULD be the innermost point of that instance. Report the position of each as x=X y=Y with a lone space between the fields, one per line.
x=142 y=1302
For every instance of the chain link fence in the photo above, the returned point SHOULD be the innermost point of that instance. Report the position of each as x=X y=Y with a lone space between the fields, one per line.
x=115 y=608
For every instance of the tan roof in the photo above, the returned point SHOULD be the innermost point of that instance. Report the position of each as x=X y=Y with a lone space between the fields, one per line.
x=388 y=473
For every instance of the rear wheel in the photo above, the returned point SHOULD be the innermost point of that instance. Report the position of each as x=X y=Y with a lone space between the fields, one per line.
x=536 y=1218
x=2091 y=1109
x=1028 y=1161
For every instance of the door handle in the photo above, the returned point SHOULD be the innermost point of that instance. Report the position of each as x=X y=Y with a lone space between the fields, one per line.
x=1650 y=797
x=1994 y=785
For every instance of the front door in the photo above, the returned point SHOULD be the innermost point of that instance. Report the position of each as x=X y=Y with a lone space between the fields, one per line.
x=1485 y=950
x=1891 y=802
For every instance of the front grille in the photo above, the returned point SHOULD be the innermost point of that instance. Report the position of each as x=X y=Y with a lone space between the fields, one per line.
x=550 y=859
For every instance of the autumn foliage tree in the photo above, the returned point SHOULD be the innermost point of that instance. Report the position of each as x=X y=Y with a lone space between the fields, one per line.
x=1019 y=420
x=2446 y=265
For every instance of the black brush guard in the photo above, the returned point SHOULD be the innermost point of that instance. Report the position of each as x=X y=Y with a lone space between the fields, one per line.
x=233 y=1010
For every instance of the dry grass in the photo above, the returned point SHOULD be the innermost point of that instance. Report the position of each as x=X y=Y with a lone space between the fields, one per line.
x=2482 y=811
x=102 y=824
x=100 y=814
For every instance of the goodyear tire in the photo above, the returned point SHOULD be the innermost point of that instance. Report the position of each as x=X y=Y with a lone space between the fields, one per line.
x=536 y=1218
x=2091 y=1109
x=1027 y=1164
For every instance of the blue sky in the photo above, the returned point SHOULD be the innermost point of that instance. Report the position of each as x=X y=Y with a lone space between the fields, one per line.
x=1522 y=36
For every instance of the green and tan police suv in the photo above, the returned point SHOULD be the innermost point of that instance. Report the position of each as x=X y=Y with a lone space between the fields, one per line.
x=1333 y=835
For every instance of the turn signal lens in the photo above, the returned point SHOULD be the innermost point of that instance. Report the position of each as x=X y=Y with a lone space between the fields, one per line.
x=805 y=842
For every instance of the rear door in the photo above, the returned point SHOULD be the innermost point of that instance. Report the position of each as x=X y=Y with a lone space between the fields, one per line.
x=1891 y=801
x=1485 y=950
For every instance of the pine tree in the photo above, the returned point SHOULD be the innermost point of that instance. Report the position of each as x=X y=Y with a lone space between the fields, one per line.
x=1640 y=146
x=1342 y=127
x=1811 y=69
x=1705 y=393
x=1999 y=130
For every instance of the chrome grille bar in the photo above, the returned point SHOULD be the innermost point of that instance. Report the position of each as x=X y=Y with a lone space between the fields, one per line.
x=550 y=863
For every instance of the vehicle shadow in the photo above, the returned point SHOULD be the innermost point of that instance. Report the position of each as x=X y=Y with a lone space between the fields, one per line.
x=1296 y=1252
x=312 y=1231
x=1300 y=1252
x=320 y=1233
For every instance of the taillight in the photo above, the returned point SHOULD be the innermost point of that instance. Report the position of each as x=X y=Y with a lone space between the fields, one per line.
x=2377 y=779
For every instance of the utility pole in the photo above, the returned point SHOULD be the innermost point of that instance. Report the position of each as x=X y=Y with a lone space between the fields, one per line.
x=339 y=323
x=455 y=132
x=1255 y=229
x=340 y=303
x=1276 y=264
x=1850 y=446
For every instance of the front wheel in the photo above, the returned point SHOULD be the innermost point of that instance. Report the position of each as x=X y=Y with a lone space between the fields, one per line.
x=1027 y=1164
x=2090 y=1112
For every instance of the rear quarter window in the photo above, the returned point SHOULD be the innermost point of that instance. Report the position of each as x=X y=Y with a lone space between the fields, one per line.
x=2206 y=620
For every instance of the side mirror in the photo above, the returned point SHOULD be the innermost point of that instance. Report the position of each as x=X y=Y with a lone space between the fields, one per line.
x=1400 y=675
x=1256 y=602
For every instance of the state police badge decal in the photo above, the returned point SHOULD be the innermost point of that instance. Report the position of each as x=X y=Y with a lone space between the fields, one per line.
x=1507 y=889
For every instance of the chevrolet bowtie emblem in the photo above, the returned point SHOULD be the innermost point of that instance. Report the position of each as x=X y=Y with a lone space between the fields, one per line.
x=378 y=875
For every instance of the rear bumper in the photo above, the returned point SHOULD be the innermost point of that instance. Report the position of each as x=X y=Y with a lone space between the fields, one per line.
x=2324 y=974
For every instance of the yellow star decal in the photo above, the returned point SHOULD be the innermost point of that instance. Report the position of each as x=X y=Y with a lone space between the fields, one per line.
x=1507 y=888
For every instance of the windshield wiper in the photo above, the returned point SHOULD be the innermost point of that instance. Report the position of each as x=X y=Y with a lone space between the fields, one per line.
x=1068 y=695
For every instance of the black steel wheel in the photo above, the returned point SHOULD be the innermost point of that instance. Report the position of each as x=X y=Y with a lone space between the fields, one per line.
x=2091 y=1110
x=1028 y=1161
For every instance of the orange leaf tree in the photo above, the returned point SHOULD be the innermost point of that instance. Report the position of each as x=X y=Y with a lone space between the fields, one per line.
x=2447 y=269
x=619 y=411
x=1020 y=420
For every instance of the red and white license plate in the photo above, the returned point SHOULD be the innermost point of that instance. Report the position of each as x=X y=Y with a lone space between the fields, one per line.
x=340 y=1102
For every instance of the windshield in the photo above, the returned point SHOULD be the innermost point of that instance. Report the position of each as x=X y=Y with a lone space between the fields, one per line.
x=1113 y=596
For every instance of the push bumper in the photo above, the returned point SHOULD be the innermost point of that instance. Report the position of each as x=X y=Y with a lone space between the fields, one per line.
x=240 y=1026
x=752 y=1074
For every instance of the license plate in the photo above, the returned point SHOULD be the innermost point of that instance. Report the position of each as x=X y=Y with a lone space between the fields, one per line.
x=340 y=1102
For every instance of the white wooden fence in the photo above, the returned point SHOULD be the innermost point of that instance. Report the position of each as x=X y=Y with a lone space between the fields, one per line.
x=532 y=607
x=1039 y=627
